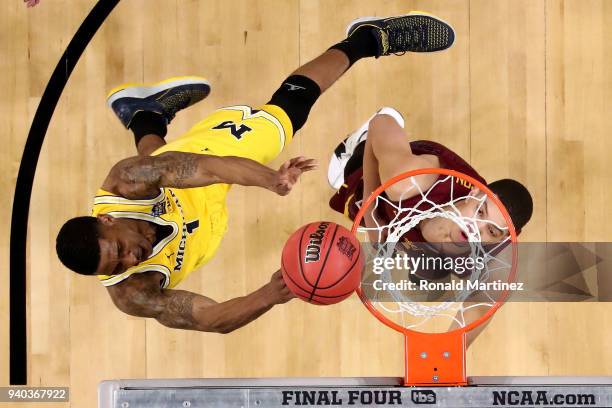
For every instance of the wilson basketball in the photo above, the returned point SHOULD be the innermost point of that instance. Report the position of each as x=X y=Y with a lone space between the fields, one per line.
x=322 y=263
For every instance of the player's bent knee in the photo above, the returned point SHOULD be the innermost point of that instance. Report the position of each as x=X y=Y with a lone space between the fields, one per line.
x=387 y=136
x=384 y=123
x=296 y=96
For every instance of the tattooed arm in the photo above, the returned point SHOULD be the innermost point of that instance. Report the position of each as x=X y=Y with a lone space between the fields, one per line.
x=143 y=176
x=141 y=295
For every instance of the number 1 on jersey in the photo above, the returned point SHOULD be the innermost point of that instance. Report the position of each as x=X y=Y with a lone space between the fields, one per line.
x=192 y=226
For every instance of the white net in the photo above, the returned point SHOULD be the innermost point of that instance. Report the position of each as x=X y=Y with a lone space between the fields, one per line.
x=434 y=286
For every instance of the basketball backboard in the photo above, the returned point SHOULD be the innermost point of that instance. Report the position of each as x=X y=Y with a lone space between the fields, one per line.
x=358 y=392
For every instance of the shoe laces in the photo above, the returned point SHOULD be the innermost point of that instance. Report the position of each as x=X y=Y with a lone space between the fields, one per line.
x=180 y=100
x=407 y=34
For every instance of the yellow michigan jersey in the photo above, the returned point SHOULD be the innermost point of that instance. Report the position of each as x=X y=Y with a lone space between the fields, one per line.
x=191 y=222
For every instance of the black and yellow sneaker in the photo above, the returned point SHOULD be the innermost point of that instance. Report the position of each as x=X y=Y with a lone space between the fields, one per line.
x=413 y=32
x=165 y=98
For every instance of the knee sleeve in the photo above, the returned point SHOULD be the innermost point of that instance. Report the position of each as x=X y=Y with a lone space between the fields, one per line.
x=296 y=96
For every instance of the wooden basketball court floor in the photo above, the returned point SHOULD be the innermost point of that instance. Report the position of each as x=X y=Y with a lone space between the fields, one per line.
x=525 y=93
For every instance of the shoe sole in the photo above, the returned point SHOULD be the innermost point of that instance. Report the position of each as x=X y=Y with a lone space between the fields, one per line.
x=136 y=90
x=335 y=173
x=412 y=13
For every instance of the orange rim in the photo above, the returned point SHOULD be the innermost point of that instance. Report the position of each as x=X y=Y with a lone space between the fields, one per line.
x=491 y=195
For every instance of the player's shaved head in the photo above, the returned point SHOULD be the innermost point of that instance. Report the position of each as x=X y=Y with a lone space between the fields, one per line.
x=77 y=245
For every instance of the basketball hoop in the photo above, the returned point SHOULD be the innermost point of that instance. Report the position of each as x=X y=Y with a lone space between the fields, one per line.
x=435 y=358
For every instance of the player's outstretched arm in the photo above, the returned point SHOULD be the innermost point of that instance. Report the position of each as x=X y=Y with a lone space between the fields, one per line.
x=142 y=176
x=141 y=296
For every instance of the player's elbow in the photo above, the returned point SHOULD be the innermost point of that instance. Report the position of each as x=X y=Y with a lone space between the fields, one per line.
x=218 y=325
x=224 y=330
x=216 y=320
x=207 y=327
x=135 y=309
x=207 y=324
x=134 y=304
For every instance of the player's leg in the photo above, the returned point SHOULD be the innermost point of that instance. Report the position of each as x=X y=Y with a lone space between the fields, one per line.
x=366 y=37
x=387 y=153
x=150 y=142
x=391 y=148
x=387 y=150
x=288 y=109
x=148 y=109
x=348 y=156
x=390 y=145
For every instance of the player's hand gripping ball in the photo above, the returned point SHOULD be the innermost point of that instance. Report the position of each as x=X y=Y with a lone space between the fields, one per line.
x=322 y=263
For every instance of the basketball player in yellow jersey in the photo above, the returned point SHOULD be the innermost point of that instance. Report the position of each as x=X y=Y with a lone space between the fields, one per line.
x=162 y=214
